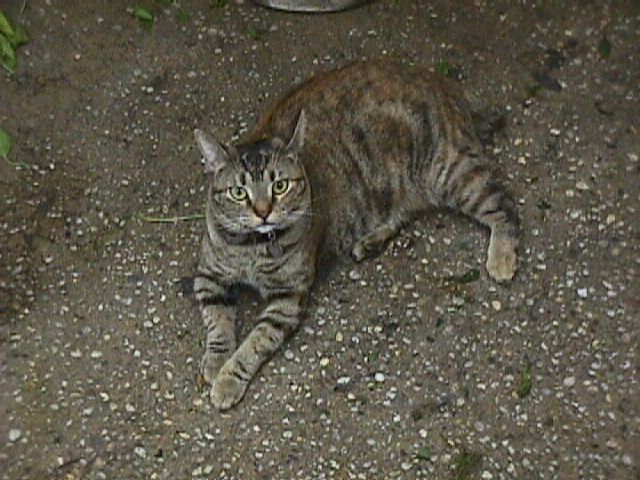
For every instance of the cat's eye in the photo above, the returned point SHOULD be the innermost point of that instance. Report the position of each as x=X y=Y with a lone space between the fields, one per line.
x=280 y=186
x=238 y=193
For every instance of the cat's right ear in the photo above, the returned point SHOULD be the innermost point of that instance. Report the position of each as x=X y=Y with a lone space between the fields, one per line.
x=297 y=139
x=215 y=156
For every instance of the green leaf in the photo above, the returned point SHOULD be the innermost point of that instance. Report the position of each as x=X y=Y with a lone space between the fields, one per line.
x=468 y=277
x=182 y=14
x=471 y=276
x=544 y=205
x=5 y=144
x=5 y=26
x=7 y=55
x=443 y=68
x=142 y=14
x=424 y=453
x=20 y=38
x=524 y=386
x=466 y=465
x=6 y=49
x=254 y=33
x=604 y=47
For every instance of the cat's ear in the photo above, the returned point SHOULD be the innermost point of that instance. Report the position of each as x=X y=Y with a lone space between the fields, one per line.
x=215 y=156
x=297 y=139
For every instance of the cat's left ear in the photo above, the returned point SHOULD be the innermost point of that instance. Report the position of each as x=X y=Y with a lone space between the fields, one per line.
x=297 y=139
x=214 y=154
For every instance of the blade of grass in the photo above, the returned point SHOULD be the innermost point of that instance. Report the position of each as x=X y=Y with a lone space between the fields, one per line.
x=5 y=26
x=143 y=15
x=183 y=218
x=5 y=144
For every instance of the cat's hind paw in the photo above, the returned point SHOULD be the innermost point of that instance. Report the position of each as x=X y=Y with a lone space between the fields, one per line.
x=227 y=390
x=501 y=258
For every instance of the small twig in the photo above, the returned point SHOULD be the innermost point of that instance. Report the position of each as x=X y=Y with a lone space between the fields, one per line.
x=184 y=218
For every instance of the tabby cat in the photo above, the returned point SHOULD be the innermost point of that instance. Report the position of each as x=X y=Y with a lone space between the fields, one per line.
x=339 y=164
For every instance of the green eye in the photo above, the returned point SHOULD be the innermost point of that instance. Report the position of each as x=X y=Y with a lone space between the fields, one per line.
x=280 y=186
x=238 y=193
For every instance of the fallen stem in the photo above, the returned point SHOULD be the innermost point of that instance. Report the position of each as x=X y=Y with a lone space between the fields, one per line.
x=183 y=218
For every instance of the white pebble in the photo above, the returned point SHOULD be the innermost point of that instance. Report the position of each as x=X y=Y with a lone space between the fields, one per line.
x=582 y=292
x=497 y=306
x=14 y=435
x=379 y=377
x=569 y=381
x=354 y=275
x=582 y=185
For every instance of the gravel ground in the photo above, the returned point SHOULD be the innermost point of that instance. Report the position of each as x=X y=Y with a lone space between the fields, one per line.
x=408 y=366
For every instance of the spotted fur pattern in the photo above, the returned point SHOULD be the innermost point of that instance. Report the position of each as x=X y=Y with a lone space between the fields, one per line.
x=338 y=164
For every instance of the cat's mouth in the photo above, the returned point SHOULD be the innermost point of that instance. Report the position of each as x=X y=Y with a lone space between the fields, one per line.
x=265 y=228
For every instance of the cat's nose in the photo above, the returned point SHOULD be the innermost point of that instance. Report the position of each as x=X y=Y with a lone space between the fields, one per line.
x=262 y=209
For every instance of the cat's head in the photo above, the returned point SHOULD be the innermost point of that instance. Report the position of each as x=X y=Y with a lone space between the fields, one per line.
x=259 y=187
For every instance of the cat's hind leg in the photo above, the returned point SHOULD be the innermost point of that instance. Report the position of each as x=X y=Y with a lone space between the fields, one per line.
x=472 y=189
x=374 y=242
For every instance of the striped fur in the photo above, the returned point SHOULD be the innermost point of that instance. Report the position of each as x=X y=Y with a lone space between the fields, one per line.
x=361 y=151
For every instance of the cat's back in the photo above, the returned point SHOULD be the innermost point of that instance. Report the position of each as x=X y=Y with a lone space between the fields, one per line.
x=332 y=98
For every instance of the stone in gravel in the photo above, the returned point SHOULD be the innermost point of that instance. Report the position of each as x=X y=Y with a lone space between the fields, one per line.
x=379 y=377
x=14 y=435
x=354 y=275
x=569 y=381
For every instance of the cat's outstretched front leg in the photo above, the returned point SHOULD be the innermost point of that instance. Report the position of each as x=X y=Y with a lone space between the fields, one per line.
x=280 y=318
x=218 y=315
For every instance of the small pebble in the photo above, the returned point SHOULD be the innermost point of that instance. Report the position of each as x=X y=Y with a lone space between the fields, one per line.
x=497 y=306
x=569 y=381
x=582 y=185
x=379 y=377
x=582 y=292
x=14 y=435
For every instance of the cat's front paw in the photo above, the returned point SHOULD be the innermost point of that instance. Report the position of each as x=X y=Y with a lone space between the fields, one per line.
x=227 y=390
x=501 y=258
x=210 y=365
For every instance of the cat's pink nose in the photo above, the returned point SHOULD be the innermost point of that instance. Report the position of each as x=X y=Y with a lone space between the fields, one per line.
x=262 y=209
